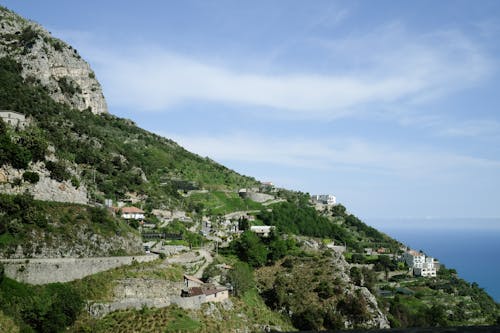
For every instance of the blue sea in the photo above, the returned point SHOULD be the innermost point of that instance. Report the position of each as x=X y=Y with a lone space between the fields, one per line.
x=471 y=246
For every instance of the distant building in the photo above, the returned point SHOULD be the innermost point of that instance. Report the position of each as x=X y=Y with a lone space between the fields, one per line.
x=414 y=259
x=132 y=213
x=14 y=119
x=326 y=199
x=262 y=230
x=266 y=187
x=421 y=265
x=205 y=292
x=191 y=281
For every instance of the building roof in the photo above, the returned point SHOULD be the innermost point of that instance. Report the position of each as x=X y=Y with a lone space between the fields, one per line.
x=214 y=291
x=131 y=210
x=195 y=291
x=192 y=278
x=9 y=111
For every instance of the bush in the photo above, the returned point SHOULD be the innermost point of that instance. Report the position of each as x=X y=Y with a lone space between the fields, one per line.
x=241 y=278
x=57 y=171
x=31 y=177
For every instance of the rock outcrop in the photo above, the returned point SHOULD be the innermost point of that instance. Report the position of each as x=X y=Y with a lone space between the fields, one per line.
x=50 y=62
x=46 y=189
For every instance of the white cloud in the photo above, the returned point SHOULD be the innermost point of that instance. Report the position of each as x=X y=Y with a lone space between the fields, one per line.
x=334 y=153
x=377 y=71
x=473 y=129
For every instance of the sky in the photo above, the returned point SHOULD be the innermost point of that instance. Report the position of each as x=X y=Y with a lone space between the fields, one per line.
x=392 y=106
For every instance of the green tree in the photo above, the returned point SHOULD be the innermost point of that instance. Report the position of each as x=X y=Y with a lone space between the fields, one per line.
x=250 y=249
x=241 y=278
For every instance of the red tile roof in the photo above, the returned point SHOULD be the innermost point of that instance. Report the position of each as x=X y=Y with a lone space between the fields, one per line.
x=132 y=210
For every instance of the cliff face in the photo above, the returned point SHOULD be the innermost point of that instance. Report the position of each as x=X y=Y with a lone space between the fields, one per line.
x=51 y=63
x=46 y=189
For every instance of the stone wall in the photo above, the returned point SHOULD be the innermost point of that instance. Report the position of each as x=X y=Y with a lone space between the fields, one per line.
x=255 y=196
x=43 y=271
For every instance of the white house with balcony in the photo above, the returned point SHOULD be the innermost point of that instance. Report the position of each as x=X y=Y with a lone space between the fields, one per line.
x=428 y=268
x=326 y=199
x=421 y=265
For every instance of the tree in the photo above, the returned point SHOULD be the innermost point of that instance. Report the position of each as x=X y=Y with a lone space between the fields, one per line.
x=241 y=278
x=243 y=224
x=338 y=210
x=251 y=249
x=309 y=319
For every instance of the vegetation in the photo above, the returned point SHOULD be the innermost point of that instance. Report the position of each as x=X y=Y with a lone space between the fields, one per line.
x=49 y=308
x=116 y=157
x=25 y=221
x=275 y=281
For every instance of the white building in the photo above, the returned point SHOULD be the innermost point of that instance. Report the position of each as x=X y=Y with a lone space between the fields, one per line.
x=262 y=230
x=13 y=119
x=428 y=268
x=326 y=199
x=422 y=265
x=132 y=213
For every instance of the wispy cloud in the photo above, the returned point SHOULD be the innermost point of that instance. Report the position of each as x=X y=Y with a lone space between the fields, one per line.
x=472 y=129
x=378 y=70
x=333 y=153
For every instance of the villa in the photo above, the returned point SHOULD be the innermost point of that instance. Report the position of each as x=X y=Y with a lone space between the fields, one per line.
x=421 y=265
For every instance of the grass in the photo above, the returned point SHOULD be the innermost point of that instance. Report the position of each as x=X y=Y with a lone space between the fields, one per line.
x=182 y=322
x=99 y=287
x=7 y=325
x=169 y=319
x=176 y=242
x=219 y=203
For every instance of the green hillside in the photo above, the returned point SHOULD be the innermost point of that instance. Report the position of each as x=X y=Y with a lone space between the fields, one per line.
x=312 y=272
x=114 y=155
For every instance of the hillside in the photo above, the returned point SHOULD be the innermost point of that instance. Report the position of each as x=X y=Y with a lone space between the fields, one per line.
x=69 y=170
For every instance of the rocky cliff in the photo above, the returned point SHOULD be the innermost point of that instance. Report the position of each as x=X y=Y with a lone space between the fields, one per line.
x=50 y=62
x=46 y=188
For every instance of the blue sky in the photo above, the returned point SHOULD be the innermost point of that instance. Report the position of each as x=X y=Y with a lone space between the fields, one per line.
x=393 y=106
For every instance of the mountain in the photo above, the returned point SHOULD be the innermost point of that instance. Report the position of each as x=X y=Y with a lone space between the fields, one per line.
x=50 y=63
x=64 y=159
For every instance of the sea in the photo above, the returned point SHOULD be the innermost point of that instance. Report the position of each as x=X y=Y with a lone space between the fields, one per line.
x=471 y=246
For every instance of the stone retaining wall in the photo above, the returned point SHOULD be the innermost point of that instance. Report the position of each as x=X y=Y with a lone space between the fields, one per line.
x=43 y=271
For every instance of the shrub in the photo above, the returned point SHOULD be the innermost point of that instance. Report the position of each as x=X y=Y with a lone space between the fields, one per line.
x=57 y=171
x=31 y=177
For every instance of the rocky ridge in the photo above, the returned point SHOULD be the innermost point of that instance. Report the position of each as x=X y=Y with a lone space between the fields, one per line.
x=50 y=63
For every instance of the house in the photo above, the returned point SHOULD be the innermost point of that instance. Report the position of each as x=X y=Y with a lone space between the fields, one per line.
x=262 y=230
x=132 y=213
x=414 y=259
x=216 y=294
x=421 y=265
x=205 y=292
x=382 y=250
x=191 y=282
x=266 y=187
x=325 y=199
x=428 y=268
x=14 y=119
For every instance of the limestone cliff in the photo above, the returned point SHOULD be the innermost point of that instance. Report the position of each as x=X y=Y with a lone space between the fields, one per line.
x=46 y=188
x=50 y=62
